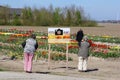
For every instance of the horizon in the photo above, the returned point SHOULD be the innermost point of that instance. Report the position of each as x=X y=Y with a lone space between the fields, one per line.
x=96 y=10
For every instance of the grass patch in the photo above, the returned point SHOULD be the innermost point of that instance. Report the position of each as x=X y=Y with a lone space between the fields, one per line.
x=1 y=70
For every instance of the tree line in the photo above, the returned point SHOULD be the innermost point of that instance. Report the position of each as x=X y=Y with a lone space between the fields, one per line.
x=67 y=16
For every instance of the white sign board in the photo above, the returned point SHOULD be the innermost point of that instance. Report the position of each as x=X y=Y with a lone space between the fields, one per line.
x=58 y=35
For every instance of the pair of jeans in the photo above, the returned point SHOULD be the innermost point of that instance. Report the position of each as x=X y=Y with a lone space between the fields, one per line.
x=28 y=58
x=82 y=64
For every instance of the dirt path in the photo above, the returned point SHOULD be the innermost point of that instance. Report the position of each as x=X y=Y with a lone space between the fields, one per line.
x=98 y=68
x=36 y=76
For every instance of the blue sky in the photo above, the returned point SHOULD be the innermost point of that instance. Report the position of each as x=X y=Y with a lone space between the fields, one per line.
x=96 y=9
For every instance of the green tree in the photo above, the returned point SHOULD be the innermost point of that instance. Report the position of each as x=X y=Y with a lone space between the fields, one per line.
x=78 y=17
x=56 y=16
x=36 y=14
x=68 y=18
x=16 y=20
x=45 y=17
x=27 y=17
x=4 y=15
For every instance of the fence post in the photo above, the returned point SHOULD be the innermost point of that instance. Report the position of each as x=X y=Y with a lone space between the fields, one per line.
x=66 y=55
x=49 y=57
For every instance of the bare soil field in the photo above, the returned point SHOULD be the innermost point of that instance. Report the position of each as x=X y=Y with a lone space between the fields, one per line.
x=101 y=69
x=105 y=29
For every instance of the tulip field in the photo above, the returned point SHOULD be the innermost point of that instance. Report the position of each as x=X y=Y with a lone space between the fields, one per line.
x=11 y=39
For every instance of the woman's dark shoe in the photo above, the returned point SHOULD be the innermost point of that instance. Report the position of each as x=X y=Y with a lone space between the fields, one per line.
x=82 y=71
x=28 y=71
x=85 y=71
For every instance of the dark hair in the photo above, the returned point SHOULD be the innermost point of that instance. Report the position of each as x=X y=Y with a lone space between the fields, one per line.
x=81 y=30
x=33 y=36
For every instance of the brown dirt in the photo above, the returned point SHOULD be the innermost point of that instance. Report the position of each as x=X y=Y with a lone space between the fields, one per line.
x=98 y=68
x=104 y=29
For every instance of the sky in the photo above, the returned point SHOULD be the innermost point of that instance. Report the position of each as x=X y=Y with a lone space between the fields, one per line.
x=96 y=9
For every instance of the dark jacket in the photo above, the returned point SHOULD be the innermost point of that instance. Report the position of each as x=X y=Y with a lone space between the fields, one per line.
x=79 y=35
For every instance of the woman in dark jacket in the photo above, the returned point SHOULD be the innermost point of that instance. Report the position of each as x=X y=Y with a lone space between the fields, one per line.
x=79 y=36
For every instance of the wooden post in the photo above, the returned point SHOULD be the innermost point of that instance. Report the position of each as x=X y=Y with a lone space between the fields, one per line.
x=118 y=48
x=67 y=56
x=36 y=56
x=49 y=57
